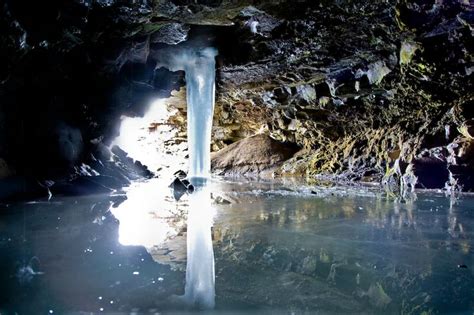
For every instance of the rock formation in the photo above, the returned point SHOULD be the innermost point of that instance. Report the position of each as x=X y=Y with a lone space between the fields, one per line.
x=369 y=90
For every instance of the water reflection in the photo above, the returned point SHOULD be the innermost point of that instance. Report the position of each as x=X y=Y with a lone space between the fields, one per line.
x=378 y=254
x=200 y=290
x=276 y=250
x=152 y=218
x=149 y=216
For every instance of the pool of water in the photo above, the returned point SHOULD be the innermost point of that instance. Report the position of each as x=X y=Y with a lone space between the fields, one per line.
x=279 y=248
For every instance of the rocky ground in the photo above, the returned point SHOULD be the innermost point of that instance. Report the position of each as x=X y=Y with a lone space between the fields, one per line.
x=377 y=91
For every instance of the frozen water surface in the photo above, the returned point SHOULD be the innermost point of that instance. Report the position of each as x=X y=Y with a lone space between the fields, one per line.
x=278 y=249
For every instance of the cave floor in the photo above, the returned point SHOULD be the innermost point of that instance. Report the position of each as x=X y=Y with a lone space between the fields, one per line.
x=279 y=248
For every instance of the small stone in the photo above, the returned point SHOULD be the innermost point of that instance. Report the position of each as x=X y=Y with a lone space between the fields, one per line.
x=306 y=93
x=407 y=51
x=180 y=174
x=221 y=201
x=282 y=93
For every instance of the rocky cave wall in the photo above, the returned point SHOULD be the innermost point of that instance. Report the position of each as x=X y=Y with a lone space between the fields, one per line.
x=377 y=91
x=369 y=90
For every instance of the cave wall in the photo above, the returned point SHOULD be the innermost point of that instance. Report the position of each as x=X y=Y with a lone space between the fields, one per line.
x=370 y=90
x=367 y=89
x=70 y=70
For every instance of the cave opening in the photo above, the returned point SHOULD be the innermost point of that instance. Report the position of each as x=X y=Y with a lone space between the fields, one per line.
x=148 y=130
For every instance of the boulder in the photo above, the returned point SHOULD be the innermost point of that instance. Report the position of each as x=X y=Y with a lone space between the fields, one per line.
x=181 y=186
x=171 y=34
x=256 y=155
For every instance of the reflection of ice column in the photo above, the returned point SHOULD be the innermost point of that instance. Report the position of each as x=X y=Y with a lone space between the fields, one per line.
x=199 y=290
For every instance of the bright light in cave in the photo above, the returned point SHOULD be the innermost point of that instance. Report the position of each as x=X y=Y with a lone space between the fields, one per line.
x=147 y=139
x=146 y=216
